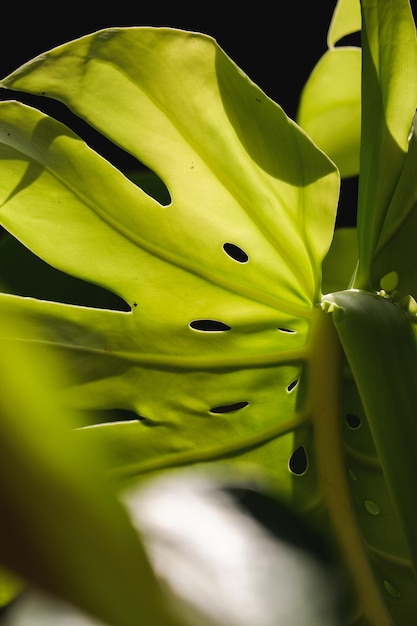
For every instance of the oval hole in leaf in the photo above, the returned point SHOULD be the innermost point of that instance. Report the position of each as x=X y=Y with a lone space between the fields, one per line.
x=372 y=507
x=287 y=330
x=393 y=591
x=209 y=326
x=236 y=253
x=292 y=385
x=229 y=408
x=298 y=461
x=106 y=416
x=352 y=420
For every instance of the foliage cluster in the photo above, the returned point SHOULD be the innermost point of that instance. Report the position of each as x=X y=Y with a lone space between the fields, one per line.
x=203 y=312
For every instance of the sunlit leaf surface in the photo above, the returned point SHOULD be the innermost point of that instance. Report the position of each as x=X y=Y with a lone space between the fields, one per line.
x=330 y=107
x=330 y=103
x=390 y=79
x=341 y=260
x=222 y=352
x=345 y=21
x=221 y=283
x=393 y=267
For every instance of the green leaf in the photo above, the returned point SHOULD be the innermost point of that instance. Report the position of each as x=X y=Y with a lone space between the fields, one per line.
x=389 y=86
x=224 y=354
x=61 y=524
x=330 y=103
x=330 y=107
x=379 y=344
x=395 y=255
x=346 y=20
x=188 y=113
x=203 y=95
x=340 y=262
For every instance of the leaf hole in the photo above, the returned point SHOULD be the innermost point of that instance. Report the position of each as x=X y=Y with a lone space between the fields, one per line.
x=95 y=417
x=292 y=385
x=209 y=326
x=353 y=421
x=229 y=408
x=288 y=331
x=393 y=591
x=372 y=507
x=352 y=474
x=298 y=461
x=235 y=252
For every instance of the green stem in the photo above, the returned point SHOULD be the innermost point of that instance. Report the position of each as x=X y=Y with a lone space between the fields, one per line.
x=324 y=405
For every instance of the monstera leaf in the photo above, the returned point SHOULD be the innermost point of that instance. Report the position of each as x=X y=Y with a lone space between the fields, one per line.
x=222 y=350
x=222 y=282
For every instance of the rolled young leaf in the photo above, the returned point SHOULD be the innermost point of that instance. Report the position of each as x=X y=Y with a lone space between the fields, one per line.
x=389 y=100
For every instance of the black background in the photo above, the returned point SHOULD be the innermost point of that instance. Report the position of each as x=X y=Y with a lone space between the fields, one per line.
x=276 y=44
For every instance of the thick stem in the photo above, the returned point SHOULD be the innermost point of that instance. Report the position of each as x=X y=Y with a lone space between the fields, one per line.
x=325 y=377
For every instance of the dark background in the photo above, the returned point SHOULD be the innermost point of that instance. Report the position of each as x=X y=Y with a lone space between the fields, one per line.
x=276 y=44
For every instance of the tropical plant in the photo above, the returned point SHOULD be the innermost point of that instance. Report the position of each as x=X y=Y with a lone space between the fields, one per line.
x=243 y=332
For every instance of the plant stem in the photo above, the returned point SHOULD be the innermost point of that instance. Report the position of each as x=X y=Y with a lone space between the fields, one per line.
x=325 y=377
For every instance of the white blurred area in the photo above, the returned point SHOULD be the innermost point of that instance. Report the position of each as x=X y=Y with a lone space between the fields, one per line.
x=219 y=566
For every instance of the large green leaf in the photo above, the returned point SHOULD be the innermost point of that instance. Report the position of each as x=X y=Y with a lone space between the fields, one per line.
x=395 y=255
x=222 y=283
x=381 y=437
x=240 y=245
x=210 y=134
